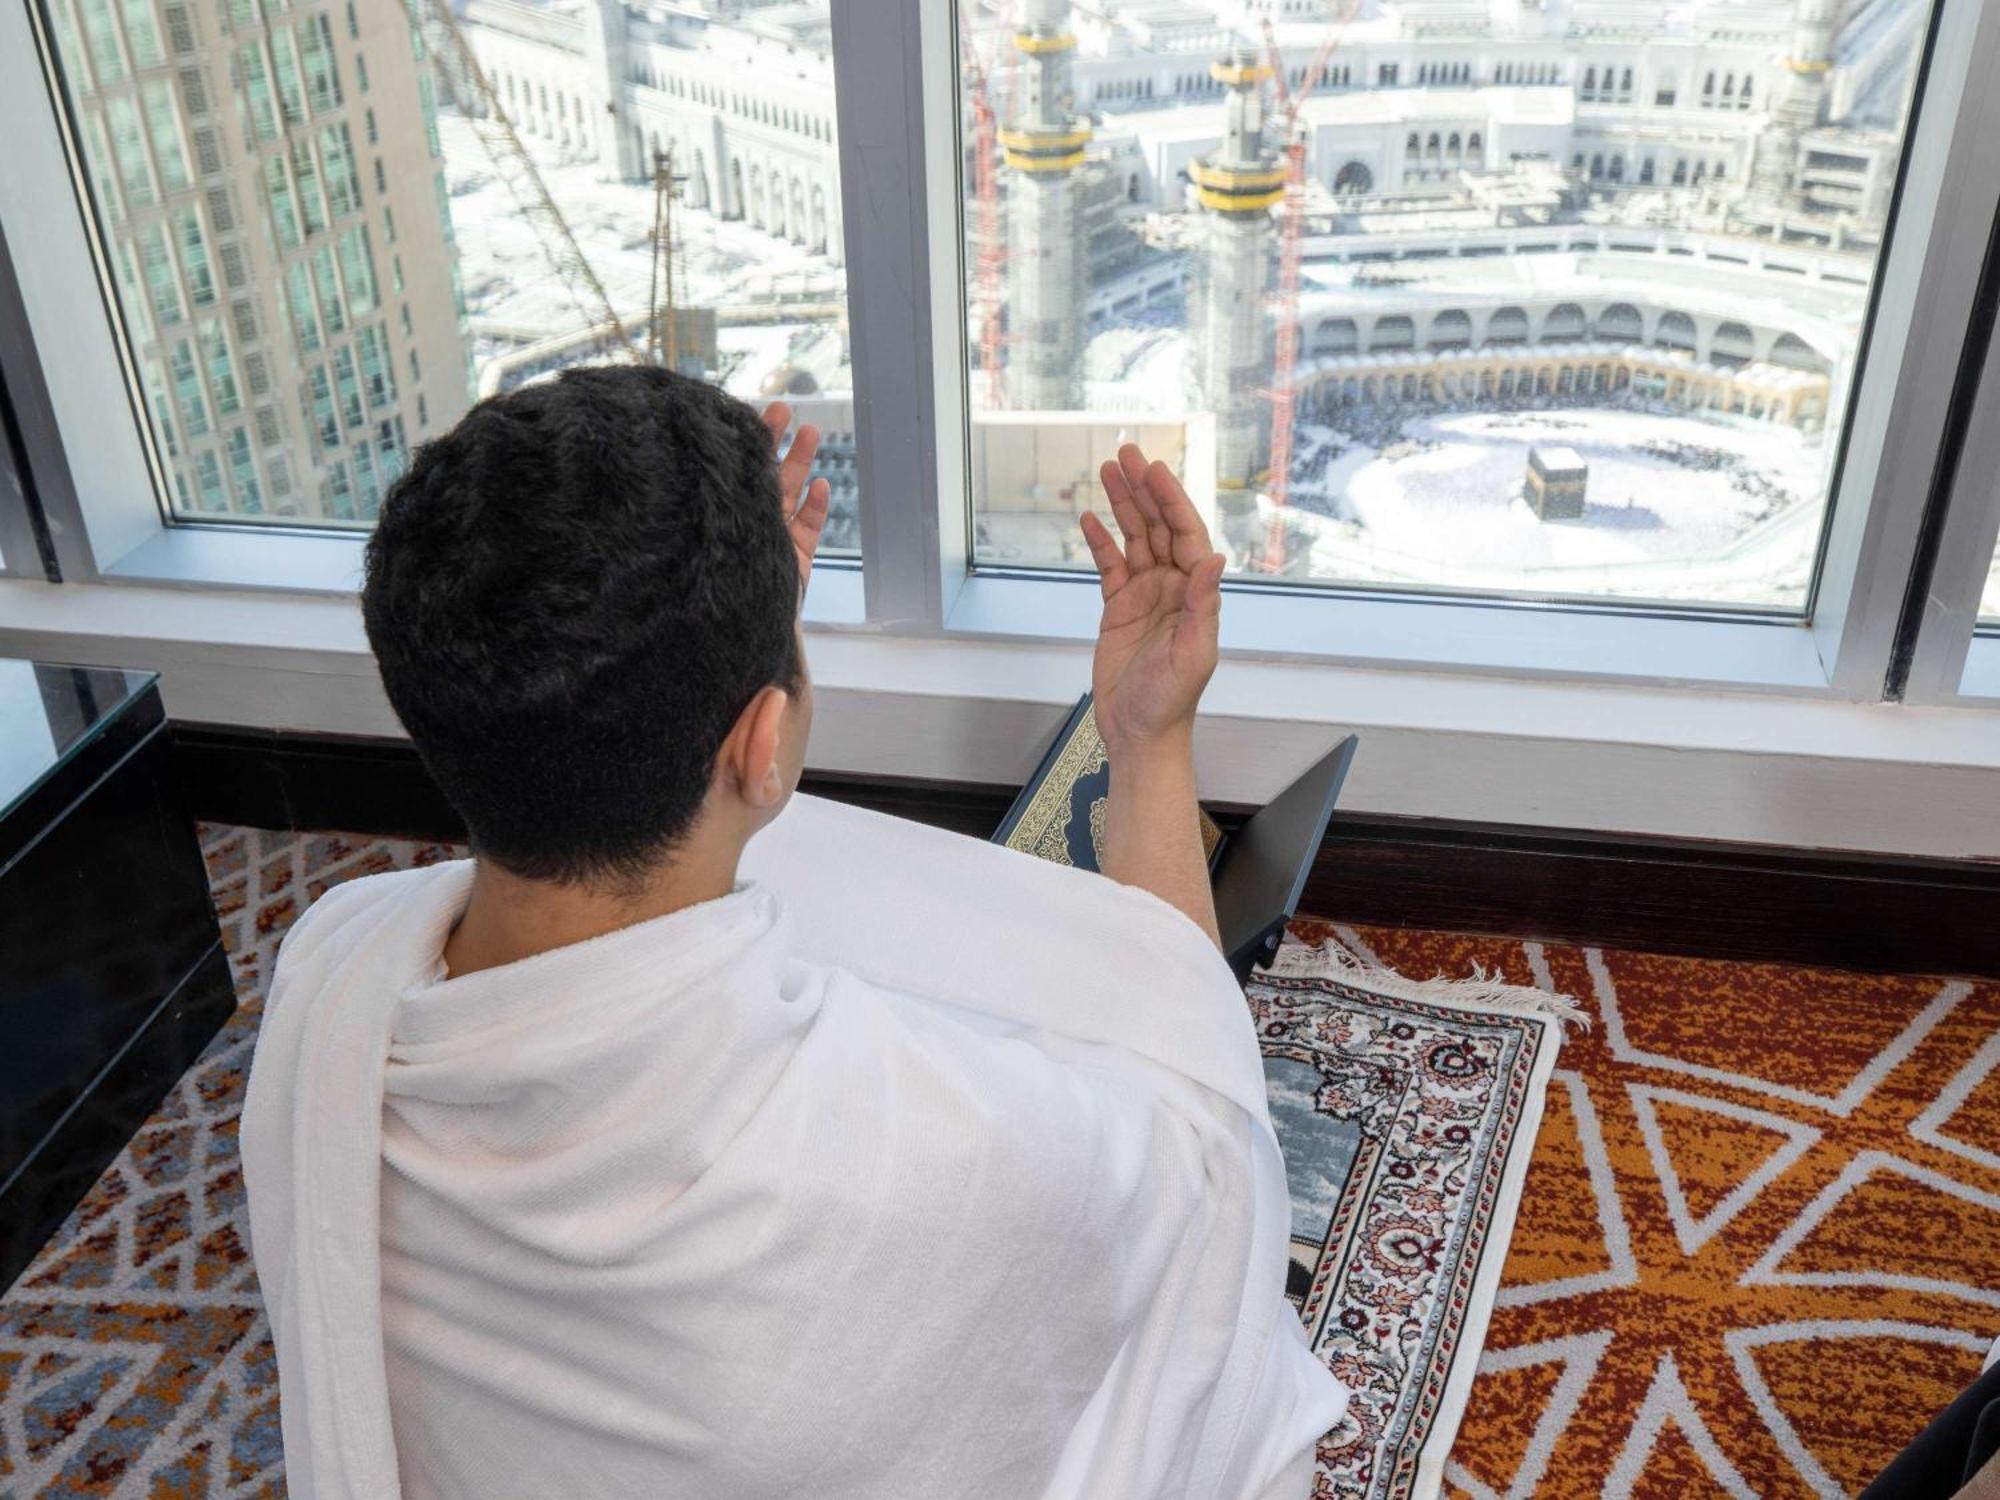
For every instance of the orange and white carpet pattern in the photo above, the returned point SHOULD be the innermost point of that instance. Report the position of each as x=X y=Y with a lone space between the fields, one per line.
x=1759 y=1245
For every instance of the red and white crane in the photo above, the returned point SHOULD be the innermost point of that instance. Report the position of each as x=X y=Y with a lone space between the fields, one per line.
x=990 y=262
x=1291 y=246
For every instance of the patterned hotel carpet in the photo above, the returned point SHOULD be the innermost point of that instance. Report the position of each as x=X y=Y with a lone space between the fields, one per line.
x=1760 y=1242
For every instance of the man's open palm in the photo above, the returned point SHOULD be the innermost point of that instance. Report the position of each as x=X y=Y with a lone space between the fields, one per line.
x=805 y=501
x=1156 y=642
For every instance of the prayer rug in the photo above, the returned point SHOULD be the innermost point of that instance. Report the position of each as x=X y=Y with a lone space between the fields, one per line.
x=1407 y=1109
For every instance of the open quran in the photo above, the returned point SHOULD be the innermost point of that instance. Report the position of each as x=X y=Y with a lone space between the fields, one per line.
x=1259 y=869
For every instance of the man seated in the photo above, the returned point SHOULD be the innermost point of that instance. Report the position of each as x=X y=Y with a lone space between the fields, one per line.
x=699 y=1139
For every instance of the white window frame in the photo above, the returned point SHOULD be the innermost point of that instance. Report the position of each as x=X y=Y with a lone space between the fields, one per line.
x=1698 y=725
x=1928 y=283
x=106 y=511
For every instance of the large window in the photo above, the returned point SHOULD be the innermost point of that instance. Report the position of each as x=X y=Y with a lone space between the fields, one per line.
x=334 y=224
x=1520 y=313
x=1654 y=351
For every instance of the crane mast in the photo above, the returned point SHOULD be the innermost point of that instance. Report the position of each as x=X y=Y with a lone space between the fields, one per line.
x=459 y=71
x=1291 y=253
x=663 y=328
x=990 y=263
x=990 y=260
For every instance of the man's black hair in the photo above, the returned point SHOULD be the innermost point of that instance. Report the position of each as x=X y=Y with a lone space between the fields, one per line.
x=573 y=594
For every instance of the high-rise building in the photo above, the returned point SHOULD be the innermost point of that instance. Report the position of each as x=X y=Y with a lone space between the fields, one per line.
x=272 y=198
x=1044 y=147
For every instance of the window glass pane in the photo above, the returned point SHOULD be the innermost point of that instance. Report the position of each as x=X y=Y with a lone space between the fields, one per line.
x=1521 y=305
x=328 y=242
x=1989 y=602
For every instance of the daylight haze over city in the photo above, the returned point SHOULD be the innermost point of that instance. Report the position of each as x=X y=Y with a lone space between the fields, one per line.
x=1560 y=298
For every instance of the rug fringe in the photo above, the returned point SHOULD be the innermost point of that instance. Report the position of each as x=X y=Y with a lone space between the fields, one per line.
x=1477 y=991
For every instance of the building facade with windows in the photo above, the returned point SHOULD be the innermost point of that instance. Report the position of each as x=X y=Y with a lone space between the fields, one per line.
x=268 y=180
x=741 y=93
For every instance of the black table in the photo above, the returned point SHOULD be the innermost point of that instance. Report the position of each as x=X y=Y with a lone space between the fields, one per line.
x=112 y=974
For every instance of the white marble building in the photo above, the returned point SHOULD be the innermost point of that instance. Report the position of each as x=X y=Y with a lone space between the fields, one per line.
x=1626 y=93
x=741 y=93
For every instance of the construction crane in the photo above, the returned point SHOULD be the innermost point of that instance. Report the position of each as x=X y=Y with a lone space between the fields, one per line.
x=1291 y=248
x=663 y=302
x=989 y=265
x=458 y=69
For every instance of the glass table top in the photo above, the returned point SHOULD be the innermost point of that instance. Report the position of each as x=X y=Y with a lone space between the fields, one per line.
x=48 y=712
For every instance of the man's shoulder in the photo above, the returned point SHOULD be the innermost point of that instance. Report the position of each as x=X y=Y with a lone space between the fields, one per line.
x=355 y=904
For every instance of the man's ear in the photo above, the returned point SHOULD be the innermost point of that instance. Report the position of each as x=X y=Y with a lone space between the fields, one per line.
x=750 y=754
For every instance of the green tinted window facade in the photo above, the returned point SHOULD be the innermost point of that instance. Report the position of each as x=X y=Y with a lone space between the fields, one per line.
x=187 y=389
x=285 y=69
x=163 y=412
x=322 y=76
x=258 y=103
x=102 y=32
x=243 y=470
x=221 y=368
x=332 y=307
x=156 y=263
x=142 y=34
x=110 y=200
x=357 y=270
x=208 y=482
x=284 y=209
x=305 y=172
x=299 y=298
x=343 y=186
x=200 y=276
x=128 y=144
x=377 y=375
x=348 y=386
x=164 y=127
x=321 y=414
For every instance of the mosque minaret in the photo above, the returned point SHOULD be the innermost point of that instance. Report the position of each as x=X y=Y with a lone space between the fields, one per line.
x=1237 y=185
x=1043 y=148
x=1800 y=101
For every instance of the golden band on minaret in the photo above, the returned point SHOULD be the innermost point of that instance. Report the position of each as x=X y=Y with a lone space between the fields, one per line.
x=1235 y=73
x=1035 y=45
x=1044 y=150
x=1237 y=190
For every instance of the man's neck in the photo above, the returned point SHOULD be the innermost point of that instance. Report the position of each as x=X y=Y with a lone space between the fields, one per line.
x=509 y=918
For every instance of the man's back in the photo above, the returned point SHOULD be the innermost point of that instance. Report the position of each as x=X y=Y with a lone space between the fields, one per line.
x=681 y=1210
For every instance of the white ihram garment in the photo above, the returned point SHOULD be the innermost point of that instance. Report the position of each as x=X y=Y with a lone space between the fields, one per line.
x=912 y=1168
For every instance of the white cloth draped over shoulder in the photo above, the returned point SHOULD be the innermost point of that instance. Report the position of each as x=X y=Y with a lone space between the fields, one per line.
x=914 y=1167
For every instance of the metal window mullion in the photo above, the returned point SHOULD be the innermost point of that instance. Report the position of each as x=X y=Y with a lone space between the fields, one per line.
x=1929 y=280
x=1970 y=530
x=31 y=460
x=879 y=51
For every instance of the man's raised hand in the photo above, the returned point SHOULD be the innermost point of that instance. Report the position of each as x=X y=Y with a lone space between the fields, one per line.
x=805 y=504
x=1156 y=641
